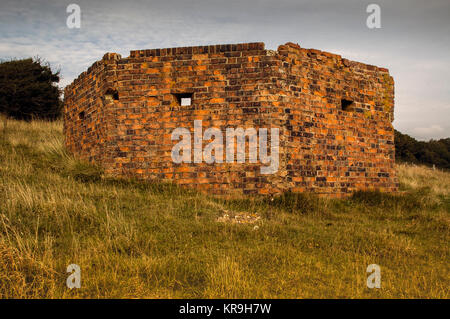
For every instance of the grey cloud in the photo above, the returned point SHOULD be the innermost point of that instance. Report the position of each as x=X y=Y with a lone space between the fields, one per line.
x=413 y=42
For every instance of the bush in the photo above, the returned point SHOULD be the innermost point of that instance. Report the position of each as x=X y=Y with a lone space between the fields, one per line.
x=28 y=90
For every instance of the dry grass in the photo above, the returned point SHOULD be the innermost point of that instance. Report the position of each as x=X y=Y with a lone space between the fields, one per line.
x=146 y=240
x=414 y=177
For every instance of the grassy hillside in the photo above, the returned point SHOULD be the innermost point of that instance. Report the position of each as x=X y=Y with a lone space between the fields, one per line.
x=151 y=240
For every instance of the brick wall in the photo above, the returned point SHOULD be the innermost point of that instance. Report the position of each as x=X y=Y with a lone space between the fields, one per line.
x=122 y=111
x=331 y=150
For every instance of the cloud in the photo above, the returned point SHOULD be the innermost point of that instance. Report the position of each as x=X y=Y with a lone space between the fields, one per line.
x=413 y=43
x=429 y=131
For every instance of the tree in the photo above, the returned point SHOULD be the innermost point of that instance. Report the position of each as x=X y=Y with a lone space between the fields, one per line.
x=28 y=90
x=408 y=149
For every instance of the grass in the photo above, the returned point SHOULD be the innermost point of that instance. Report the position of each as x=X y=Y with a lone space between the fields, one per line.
x=143 y=240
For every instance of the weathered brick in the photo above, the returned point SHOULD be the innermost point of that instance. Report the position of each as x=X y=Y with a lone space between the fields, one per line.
x=324 y=147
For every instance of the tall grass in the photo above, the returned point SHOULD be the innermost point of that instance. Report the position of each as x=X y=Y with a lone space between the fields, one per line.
x=147 y=240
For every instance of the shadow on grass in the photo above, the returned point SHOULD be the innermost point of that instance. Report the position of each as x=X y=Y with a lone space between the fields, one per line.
x=299 y=203
x=296 y=203
x=408 y=201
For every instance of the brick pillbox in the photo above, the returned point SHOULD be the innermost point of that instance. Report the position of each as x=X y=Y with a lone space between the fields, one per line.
x=334 y=117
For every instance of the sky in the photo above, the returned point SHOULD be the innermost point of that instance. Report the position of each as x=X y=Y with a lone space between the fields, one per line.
x=413 y=41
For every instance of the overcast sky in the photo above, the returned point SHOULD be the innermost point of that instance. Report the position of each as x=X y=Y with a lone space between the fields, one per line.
x=413 y=42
